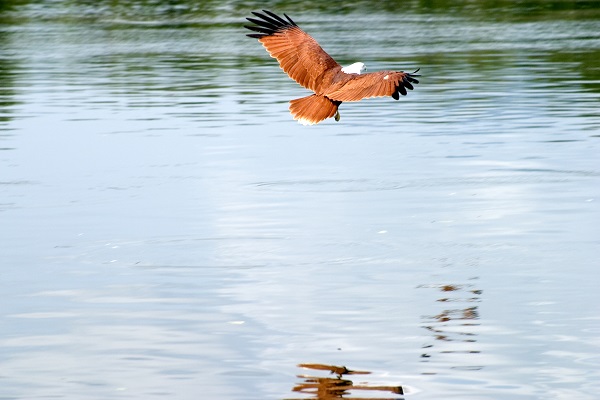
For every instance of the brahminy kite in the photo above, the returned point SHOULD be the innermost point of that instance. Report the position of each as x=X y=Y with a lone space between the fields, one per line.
x=301 y=57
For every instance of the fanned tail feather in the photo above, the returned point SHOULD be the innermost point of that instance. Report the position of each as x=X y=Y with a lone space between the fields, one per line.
x=313 y=109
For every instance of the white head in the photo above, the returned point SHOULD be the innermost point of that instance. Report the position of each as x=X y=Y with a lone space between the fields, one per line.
x=356 y=68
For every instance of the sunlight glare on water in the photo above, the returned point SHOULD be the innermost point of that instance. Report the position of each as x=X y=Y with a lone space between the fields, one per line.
x=168 y=231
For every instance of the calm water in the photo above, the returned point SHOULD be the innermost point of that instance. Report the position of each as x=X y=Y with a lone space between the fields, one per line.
x=168 y=231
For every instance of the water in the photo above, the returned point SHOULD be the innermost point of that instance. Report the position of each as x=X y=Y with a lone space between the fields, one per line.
x=167 y=230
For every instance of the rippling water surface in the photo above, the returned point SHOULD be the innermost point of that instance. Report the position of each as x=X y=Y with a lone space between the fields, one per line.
x=168 y=231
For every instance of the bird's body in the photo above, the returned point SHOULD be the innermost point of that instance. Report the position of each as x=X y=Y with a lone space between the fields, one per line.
x=301 y=57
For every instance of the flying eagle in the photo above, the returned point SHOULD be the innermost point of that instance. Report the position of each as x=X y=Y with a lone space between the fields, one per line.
x=301 y=57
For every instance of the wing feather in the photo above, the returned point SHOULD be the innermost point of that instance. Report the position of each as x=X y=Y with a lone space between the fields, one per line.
x=276 y=20
x=374 y=84
x=298 y=54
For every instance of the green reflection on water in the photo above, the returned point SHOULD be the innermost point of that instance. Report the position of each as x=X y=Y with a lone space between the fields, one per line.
x=8 y=68
x=134 y=46
x=147 y=9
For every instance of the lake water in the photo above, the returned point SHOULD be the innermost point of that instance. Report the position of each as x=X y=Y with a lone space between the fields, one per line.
x=168 y=231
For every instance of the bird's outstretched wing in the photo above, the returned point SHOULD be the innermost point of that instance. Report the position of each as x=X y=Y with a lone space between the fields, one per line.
x=298 y=54
x=374 y=84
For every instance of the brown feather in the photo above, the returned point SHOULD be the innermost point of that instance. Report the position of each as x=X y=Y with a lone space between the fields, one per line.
x=358 y=87
x=313 y=109
x=298 y=54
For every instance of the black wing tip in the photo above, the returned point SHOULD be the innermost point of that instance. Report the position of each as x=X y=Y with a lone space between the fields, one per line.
x=414 y=73
x=289 y=19
x=411 y=77
x=406 y=83
x=268 y=24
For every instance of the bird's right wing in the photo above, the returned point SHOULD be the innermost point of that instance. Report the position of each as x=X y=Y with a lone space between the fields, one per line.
x=375 y=84
x=298 y=54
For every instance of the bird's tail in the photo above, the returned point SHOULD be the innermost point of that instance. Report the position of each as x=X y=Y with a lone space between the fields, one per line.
x=313 y=109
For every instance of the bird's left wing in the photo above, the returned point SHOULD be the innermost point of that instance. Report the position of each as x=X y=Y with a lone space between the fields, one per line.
x=375 y=84
x=298 y=54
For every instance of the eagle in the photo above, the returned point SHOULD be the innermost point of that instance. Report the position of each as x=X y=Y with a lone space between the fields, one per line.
x=301 y=57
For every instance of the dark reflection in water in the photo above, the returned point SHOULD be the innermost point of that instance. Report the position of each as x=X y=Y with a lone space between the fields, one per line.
x=458 y=321
x=8 y=70
x=329 y=388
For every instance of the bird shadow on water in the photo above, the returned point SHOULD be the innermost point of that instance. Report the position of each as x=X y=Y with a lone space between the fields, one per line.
x=339 y=387
x=453 y=327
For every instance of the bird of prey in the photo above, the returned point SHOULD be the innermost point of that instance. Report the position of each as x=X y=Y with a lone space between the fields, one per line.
x=301 y=57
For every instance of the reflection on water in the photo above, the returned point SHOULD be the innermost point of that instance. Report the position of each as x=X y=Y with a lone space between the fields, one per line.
x=328 y=388
x=8 y=74
x=457 y=324
x=166 y=231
